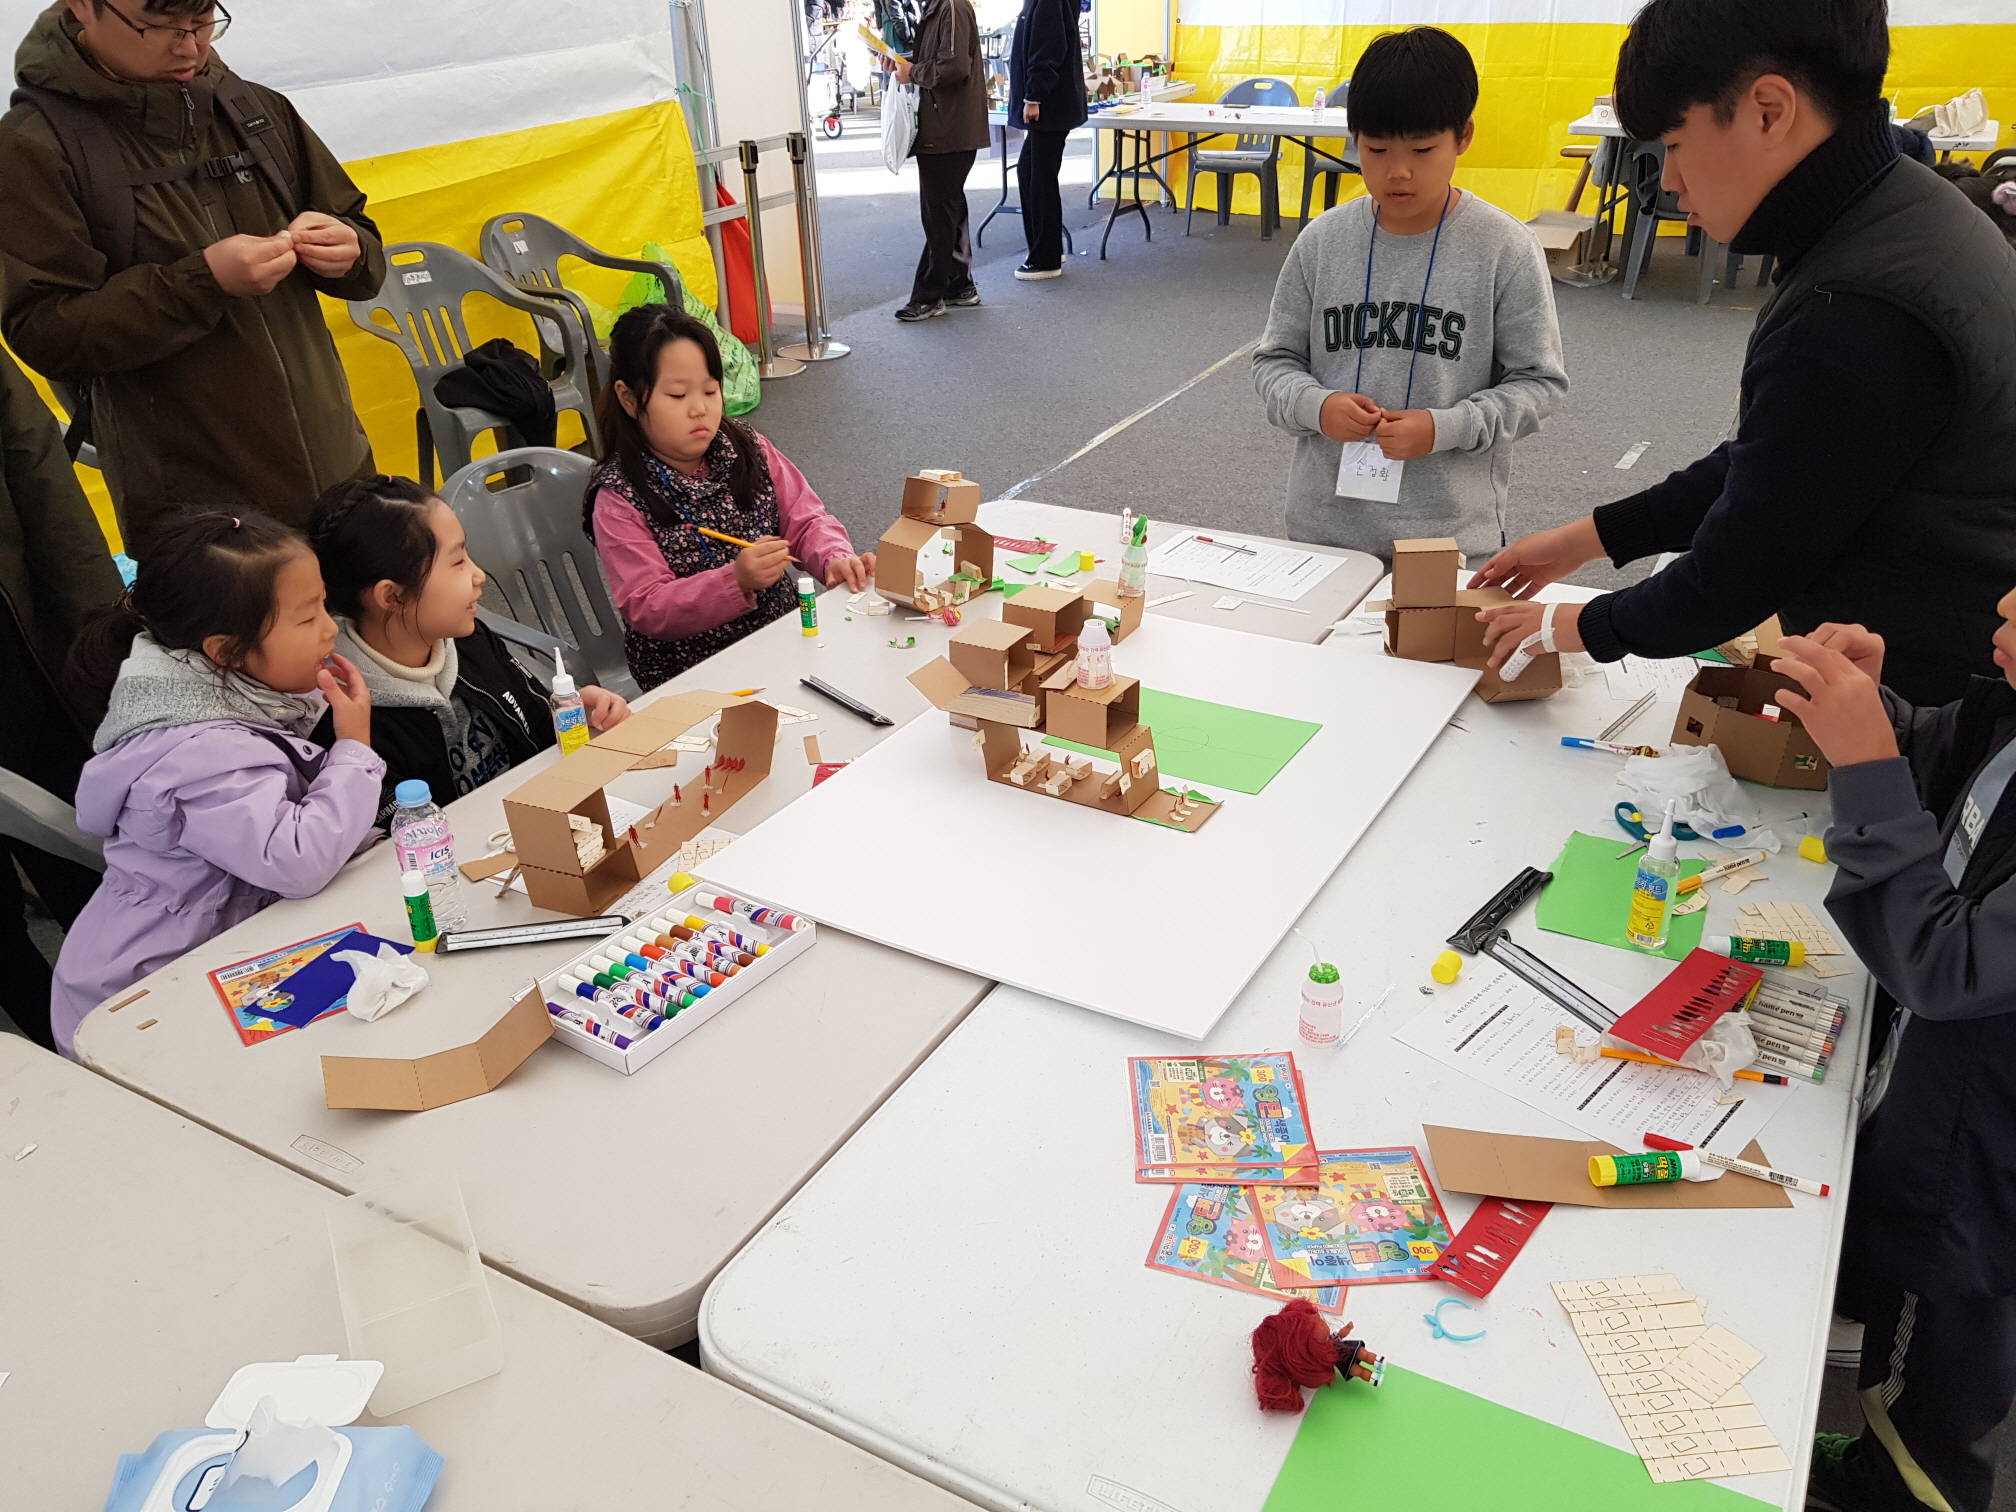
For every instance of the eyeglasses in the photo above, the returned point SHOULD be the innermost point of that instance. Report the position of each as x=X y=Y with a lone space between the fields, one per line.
x=168 y=36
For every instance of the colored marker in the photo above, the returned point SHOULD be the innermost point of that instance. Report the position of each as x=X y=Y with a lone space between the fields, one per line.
x=1653 y=1060
x=1226 y=545
x=1794 y=1067
x=1582 y=744
x=755 y=913
x=708 y=931
x=1742 y=1167
x=588 y=1025
x=1720 y=870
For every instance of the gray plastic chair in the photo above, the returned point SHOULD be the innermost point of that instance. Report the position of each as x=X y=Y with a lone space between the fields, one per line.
x=1314 y=167
x=39 y=818
x=521 y=510
x=527 y=250
x=1646 y=206
x=419 y=310
x=1250 y=153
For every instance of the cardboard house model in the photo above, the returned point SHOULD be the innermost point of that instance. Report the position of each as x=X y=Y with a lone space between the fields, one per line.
x=937 y=503
x=1021 y=674
x=1430 y=619
x=570 y=858
x=1737 y=709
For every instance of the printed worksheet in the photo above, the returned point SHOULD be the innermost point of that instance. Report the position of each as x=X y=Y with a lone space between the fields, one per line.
x=1501 y=1031
x=1372 y=1216
x=1208 y=1231
x=1250 y=567
x=1635 y=676
x=1221 y=1118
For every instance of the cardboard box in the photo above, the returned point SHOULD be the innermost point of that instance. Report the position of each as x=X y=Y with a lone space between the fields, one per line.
x=1724 y=706
x=1421 y=634
x=1541 y=679
x=899 y=557
x=1052 y=616
x=1104 y=593
x=1564 y=238
x=993 y=654
x=434 y=1081
x=1424 y=573
x=941 y=496
x=1470 y=629
x=1101 y=717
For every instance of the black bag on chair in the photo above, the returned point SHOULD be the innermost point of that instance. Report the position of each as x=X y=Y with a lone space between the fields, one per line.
x=500 y=377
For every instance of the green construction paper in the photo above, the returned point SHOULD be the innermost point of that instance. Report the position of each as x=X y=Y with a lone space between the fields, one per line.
x=1414 y=1442
x=1214 y=743
x=1071 y=571
x=1030 y=562
x=1009 y=590
x=1590 y=896
x=1712 y=656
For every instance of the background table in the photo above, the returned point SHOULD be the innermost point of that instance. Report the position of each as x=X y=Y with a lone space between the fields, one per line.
x=146 y=1259
x=1073 y=1361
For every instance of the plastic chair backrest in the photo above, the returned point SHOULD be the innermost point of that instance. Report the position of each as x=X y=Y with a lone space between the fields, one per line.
x=39 y=818
x=521 y=510
x=1648 y=166
x=527 y=250
x=1260 y=92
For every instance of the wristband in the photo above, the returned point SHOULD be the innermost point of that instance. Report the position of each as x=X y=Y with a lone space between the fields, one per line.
x=1533 y=645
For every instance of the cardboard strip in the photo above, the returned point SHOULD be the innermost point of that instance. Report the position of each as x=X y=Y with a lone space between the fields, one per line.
x=812 y=756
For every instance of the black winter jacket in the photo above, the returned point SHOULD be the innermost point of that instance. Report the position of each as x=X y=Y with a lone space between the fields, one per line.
x=1047 y=66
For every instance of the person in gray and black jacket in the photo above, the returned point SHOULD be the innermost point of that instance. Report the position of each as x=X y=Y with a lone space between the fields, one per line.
x=1924 y=836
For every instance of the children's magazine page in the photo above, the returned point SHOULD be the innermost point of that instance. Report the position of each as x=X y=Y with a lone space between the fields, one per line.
x=244 y=985
x=1221 y=1118
x=1373 y=1216
x=1209 y=1232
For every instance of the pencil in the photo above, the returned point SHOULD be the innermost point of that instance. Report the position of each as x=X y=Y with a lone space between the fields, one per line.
x=1653 y=1060
x=717 y=535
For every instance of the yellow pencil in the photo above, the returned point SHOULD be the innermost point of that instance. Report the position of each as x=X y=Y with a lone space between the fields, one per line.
x=1653 y=1060
x=717 y=535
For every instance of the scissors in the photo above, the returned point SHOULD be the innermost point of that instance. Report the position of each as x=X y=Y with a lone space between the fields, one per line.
x=1633 y=824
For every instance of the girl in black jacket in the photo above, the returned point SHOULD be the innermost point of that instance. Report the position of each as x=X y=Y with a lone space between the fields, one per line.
x=450 y=706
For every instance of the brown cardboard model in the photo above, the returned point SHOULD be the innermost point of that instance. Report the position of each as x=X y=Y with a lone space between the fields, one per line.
x=1725 y=707
x=1424 y=572
x=1430 y=619
x=538 y=812
x=940 y=496
x=432 y=1081
x=937 y=502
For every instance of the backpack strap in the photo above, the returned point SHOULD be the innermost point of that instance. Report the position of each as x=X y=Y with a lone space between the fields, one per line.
x=264 y=142
x=104 y=185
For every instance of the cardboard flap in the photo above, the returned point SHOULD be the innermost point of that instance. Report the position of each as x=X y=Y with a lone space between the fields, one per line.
x=1105 y=593
x=994 y=635
x=509 y=1042
x=639 y=736
x=749 y=734
x=1531 y=1169
x=489 y=866
x=432 y=1081
x=940 y=682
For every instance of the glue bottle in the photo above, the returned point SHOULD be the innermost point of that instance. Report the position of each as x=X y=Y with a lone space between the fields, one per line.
x=808 y=606
x=1134 y=561
x=570 y=718
x=1652 y=893
x=1095 y=655
x=1322 y=1005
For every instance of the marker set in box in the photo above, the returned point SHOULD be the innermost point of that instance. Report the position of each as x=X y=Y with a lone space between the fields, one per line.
x=1796 y=1029
x=634 y=994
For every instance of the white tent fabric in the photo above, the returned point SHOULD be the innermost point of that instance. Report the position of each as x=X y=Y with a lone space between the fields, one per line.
x=1490 y=12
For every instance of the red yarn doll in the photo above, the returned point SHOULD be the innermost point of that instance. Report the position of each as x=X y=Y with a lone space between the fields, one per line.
x=1293 y=1349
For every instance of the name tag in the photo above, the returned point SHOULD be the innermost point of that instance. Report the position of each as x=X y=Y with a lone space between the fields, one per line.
x=1366 y=472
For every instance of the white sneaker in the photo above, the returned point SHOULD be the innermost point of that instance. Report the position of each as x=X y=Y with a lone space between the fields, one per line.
x=1029 y=275
x=1844 y=1342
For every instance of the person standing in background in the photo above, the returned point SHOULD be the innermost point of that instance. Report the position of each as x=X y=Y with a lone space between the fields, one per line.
x=1046 y=98
x=951 y=80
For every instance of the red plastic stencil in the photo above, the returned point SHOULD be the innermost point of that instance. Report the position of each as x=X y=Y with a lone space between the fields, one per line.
x=1686 y=1005
x=1488 y=1244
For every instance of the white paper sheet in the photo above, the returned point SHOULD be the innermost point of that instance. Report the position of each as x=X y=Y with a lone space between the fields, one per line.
x=1635 y=676
x=1252 y=567
x=1502 y=1033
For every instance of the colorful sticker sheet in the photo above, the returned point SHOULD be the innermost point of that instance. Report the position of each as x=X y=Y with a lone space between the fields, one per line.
x=244 y=985
x=1209 y=1232
x=1372 y=1217
x=1221 y=1118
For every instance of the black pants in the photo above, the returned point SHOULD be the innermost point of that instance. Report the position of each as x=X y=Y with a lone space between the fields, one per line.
x=1042 y=202
x=1938 y=1375
x=946 y=268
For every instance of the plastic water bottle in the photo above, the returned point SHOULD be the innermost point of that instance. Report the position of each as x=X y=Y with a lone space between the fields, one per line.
x=1322 y=99
x=570 y=716
x=425 y=844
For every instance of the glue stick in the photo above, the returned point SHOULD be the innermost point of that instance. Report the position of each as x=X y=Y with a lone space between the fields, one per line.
x=1652 y=893
x=1757 y=952
x=1322 y=1005
x=1636 y=1170
x=419 y=909
x=808 y=606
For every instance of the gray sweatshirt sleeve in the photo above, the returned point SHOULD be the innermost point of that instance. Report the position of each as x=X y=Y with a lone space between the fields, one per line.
x=1532 y=379
x=1293 y=397
x=1942 y=954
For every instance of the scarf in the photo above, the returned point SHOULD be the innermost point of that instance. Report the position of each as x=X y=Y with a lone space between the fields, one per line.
x=159 y=689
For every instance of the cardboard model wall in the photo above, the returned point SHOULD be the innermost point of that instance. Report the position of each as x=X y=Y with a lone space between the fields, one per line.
x=936 y=502
x=537 y=812
x=414 y=1085
x=1430 y=619
x=1724 y=706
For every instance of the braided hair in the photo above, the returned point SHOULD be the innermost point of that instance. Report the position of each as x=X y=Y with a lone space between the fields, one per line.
x=373 y=530
x=206 y=573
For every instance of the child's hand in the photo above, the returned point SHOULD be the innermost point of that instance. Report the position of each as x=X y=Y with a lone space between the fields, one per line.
x=1349 y=417
x=1861 y=646
x=856 y=572
x=1546 y=556
x=605 y=710
x=349 y=700
x=1406 y=434
x=1505 y=625
x=1841 y=708
x=761 y=564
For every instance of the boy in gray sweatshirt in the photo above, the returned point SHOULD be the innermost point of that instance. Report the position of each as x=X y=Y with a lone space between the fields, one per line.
x=1412 y=326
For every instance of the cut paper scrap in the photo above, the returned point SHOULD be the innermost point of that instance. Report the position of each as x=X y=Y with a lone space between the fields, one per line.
x=1208 y=1232
x=1590 y=896
x=1714 y=1364
x=1385 y=1445
x=1031 y=563
x=1632 y=1328
x=1785 y=921
x=1214 y=744
x=1167 y=598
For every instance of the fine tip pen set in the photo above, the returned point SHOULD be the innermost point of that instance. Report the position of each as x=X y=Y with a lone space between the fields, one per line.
x=638 y=991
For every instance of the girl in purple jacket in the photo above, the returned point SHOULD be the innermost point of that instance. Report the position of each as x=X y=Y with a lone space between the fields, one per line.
x=213 y=669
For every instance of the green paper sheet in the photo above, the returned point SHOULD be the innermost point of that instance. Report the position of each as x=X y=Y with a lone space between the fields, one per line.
x=1414 y=1442
x=1712 y=656
x=1590 y=896
x=1030 y=562
x=1214 y=744
x=1009 y=590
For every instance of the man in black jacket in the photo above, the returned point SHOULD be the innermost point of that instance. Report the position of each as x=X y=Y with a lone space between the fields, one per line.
x=1872 y=477
x=951 y=80
x=1046 y=96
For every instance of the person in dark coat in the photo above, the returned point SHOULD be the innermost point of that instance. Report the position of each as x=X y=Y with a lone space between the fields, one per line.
x=951 y=80
x=1046 y=97
x=1924 y=836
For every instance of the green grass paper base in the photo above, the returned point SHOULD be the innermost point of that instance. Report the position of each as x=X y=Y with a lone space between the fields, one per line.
x=1214 y=744
x=1590 y=896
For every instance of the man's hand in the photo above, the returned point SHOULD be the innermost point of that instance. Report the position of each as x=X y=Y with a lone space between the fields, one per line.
x=1348 y=417
x=1841 y=708
x=327 y=247
x=605 y=710
x=1508 y=624
x=1861 y=646
x=1030 y=111
x=903 y=71
x=761 y=564
x=1406 y=434
x=349 y=700
x=856 y=572
x=1546 y=556
x=247 y=266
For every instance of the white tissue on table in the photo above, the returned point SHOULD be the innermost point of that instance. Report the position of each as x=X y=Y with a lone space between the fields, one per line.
x=275 y=1452
x=384 y=981
x=1704 y=796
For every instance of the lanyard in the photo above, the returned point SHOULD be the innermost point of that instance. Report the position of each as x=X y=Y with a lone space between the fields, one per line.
x=1413 y=347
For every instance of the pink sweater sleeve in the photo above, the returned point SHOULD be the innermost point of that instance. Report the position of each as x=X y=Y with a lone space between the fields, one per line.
x=816 y=537
x=651 y=599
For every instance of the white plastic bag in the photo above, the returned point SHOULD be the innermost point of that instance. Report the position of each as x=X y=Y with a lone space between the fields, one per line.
x=899 y=124
x=1696 y=780
x=384 y=981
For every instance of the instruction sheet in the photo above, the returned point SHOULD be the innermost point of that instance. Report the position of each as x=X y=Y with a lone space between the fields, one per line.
x=1251 y=567
x=1501 y=1032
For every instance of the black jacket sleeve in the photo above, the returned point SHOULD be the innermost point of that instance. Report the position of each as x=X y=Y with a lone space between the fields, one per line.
x=1049 y=47
x=943 y=56
x=1820 y=446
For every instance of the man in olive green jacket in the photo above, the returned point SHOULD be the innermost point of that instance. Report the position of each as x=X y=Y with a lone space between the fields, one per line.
x=200 y=345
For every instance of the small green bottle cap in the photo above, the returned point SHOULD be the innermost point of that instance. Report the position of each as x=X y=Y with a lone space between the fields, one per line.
x=1323 y=972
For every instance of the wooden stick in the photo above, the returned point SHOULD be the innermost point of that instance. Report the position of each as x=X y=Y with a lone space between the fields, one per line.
x=131 y=997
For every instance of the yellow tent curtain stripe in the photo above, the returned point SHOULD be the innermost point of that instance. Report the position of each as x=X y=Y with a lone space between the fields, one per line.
x=1536 y=78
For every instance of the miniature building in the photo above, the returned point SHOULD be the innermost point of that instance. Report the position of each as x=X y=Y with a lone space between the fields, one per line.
x=937 y=502
x=1430 y=619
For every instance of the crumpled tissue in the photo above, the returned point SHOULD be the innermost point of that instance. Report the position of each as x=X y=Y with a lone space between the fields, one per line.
x=384 y=980
x=1696 y=780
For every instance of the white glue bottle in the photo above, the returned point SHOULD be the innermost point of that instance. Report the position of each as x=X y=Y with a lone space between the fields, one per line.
x=1322 y=1005
x=1322 y=99
x=1652 y=893
x=1095 y=655
x=570 y=718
